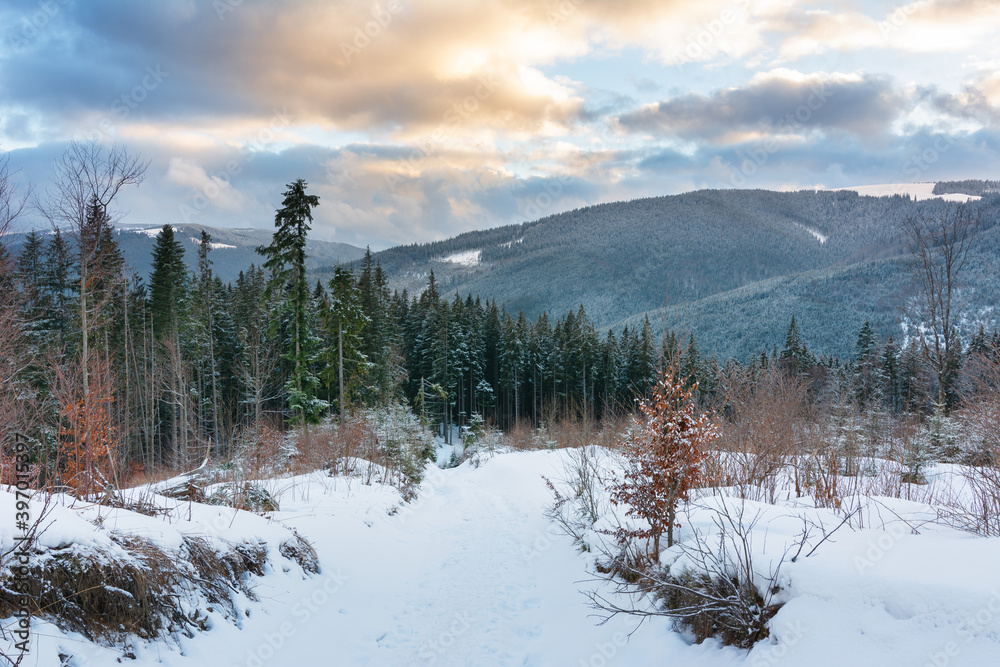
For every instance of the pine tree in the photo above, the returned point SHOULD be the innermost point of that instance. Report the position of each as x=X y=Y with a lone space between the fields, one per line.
x=258 y=363
x=57 y=293
x=865 y=378
x=794 y=354
x=167 y=284
x=344 y=320
x=168 y=302
x=30 y=262
x=286 y=260
x=204 y=309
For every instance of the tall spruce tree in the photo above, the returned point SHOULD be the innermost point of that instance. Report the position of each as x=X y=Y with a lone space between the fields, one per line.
x=344 y=320
x=167 y=284
x=286 y=260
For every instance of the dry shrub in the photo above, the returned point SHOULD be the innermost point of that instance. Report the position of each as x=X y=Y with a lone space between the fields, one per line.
x=88 y=451
x=299 y=550
x=761 y=432
x=108 y=595
x=332 y=447
x=262 y=455
x=978 y=510
x=220 y=573
x=818 y=475
x=569 y=433
x=522 y=437
x=104 y=596
x=714 y=588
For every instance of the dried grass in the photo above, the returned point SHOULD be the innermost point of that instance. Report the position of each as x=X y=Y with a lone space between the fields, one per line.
x=109 y=596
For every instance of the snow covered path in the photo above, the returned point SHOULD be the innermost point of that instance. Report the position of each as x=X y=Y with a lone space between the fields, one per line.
x=469 y=574
x=472 y=573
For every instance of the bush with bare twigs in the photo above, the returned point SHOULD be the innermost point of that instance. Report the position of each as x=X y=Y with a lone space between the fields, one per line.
x=762 y=431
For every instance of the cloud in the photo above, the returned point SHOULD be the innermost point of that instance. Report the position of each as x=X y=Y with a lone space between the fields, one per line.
x=924 y=26
x=780 y=102
x=216 y=189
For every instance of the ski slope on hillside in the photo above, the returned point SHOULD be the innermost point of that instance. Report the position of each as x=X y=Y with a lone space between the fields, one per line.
x=918 y=191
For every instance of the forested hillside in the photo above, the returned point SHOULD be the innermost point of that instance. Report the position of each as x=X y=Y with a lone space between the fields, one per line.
x=835 y=255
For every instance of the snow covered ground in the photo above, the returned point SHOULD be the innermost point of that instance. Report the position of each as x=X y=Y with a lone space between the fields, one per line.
x=918 y=191
x=473 y=573
x=464 y=258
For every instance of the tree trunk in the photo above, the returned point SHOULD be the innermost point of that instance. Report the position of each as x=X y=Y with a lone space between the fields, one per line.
x=340 y=365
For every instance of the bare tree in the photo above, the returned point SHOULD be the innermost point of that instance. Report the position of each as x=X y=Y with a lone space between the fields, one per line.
x=941 y=248
x=12 y=204
x=12 y=361
x=87 y=179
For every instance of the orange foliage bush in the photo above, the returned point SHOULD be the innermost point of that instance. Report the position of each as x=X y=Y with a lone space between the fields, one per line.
x=87 y=453
x=663 y=456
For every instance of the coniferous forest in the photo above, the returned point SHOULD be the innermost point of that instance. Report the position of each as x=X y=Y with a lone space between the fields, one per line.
x=117 y=373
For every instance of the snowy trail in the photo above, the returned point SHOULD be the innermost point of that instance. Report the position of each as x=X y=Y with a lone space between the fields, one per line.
x=471 y=573
x=465 y=576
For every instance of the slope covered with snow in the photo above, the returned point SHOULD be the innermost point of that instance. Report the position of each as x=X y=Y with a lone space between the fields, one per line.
x=918 y=191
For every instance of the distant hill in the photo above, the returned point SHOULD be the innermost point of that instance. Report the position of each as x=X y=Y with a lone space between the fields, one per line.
x=733 y=265
x=233 y=249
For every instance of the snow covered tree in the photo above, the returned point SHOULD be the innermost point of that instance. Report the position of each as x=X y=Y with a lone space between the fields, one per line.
x=794 y=355
x=343 y=319
x=286 y=259
x=663 y=455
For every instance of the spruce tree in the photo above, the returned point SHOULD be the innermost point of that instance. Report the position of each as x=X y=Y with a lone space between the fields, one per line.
x=57 y=293
x=794 y=354
x=167 y=284
x=344 y=320
x=286 y=260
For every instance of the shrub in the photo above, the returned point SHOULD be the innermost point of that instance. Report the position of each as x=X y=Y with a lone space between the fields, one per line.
x=663 y=457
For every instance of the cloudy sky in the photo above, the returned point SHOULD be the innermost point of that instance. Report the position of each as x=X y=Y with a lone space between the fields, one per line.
x=414 y=120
